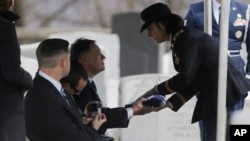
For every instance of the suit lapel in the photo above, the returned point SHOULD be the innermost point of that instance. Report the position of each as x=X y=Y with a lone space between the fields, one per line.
x=57 y=94
x=93 y=92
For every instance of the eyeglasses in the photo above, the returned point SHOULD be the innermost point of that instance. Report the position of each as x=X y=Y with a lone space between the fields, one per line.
x=75 y=89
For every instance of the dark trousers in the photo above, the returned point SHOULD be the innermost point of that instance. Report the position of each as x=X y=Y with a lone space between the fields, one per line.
x=12 y=120
x=208 y=127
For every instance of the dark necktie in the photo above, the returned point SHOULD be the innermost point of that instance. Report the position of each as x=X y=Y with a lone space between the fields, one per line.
x=94 y=95
x=219 y=15
x=93 y=85
x=74 y=102
x=65 y=97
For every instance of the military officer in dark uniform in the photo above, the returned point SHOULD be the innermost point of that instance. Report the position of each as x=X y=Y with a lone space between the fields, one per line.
x=239 y=30
x=195 y=58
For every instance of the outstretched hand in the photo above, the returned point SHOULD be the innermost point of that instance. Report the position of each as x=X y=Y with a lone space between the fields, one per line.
x=145 y=110
x=137 y=106
x=140 y=109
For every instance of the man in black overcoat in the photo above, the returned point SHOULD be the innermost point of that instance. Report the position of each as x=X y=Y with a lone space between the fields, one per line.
x=14 y=80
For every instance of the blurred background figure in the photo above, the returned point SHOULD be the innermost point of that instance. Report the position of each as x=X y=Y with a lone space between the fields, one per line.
x=14 y=80
x=239 y=29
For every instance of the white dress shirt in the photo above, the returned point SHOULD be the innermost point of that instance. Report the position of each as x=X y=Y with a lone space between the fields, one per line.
x=216 y=10
x=56 y=83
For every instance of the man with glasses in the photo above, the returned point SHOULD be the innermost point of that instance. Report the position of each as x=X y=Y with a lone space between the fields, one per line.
x=73 y=84
x=76 y=80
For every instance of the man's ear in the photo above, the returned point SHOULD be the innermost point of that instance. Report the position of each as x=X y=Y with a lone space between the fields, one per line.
x=83 y=60
x=162 y=26
x=63 y=62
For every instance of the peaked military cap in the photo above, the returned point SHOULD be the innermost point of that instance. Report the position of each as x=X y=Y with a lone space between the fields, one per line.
x=153 y=13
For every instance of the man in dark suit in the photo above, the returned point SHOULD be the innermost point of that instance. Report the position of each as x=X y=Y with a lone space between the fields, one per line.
x=89 y=55
x=14 y=80
x=51 y=115
x=196 y=59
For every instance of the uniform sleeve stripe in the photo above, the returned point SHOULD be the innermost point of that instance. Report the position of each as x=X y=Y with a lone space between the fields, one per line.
x=168 y=88
x=183 y=100
x=170 y=104
x=175 y=102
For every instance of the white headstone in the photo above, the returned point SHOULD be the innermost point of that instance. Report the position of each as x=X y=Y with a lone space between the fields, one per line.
x=30 y=65
x=163 y=125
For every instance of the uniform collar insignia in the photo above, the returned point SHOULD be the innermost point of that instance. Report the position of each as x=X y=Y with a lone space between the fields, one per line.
x=240 y=21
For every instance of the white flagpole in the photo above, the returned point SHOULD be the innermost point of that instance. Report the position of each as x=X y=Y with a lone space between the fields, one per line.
x=208 y=17
x=224 y=21
x=222 y=86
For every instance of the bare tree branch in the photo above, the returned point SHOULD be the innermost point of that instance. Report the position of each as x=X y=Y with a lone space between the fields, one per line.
x=60 y=10
x=100 y=13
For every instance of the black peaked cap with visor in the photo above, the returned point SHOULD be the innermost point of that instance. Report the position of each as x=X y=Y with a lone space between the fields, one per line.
x=153 y=13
